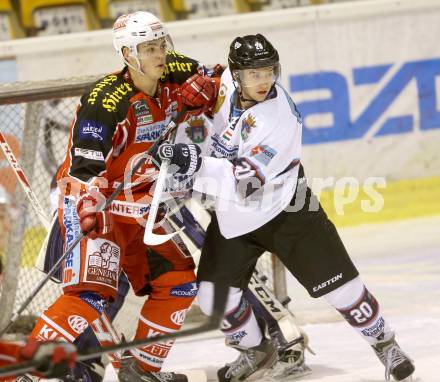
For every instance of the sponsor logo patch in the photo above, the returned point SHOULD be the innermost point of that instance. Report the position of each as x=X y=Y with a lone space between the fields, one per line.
x=102 y=263
x=263 y=154
x=72 y=230
x=108 y=80
x=92 y=130
x=185 y=290
x=236 y=337
x=376 y=330
x=222 y=149
x=178 y=317
x=89 y=154
x=134 y=210
x=94 y=301
x=328 y=282
x=47 y=333
x=149 y=133
x=78 y=323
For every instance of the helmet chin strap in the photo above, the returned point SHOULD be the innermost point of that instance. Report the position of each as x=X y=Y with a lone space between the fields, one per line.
x=137 y=68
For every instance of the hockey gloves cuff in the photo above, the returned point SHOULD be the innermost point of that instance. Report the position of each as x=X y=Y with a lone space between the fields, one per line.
x=187 y=158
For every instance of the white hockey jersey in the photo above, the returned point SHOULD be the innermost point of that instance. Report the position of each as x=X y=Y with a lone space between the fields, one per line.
x=267 y=137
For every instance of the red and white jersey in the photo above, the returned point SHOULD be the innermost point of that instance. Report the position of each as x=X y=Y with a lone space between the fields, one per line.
x=115 y=123
x=266 y=138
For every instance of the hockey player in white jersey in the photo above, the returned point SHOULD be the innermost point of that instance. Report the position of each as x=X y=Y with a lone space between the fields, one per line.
x=262 y=202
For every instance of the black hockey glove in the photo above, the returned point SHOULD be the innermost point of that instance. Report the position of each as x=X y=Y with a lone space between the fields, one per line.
x=187 y=158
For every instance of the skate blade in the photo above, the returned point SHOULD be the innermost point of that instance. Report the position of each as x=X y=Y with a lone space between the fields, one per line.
x=194 y=375
x=286 y=373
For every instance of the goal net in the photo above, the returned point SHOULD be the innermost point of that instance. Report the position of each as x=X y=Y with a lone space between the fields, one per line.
x=35 y=118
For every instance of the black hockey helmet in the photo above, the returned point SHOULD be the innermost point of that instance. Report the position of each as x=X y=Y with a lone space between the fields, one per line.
x=251 y=51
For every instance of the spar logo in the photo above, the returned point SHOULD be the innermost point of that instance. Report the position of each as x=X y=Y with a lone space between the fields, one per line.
x=72 y=231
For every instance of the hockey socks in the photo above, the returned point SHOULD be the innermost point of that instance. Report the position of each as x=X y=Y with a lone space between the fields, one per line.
x=64 y=320
x=163 y=313
x=361 y=310
x=239 y=324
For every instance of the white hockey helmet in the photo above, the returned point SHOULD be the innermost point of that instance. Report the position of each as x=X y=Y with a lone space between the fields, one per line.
x=135 y=28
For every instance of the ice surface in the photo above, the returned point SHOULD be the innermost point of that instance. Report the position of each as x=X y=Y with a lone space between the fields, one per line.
x=400 y=263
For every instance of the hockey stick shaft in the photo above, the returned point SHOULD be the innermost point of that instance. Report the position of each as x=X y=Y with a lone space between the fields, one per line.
x=149 y=237
x=221 y=293
x=101 y=207
x=22 y=179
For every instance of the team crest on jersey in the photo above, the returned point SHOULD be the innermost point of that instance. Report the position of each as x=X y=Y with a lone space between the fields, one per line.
x=263 y=154
x=246 y=126
x=102 y=263
x=220 y=98
x=196 y=130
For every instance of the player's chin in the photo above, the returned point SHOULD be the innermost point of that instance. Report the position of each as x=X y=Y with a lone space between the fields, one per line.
x=260 y=96
x=157 y=71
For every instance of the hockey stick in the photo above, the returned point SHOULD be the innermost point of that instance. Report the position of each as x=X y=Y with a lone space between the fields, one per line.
x=220 y=296
x=19 y=173
x=151 y=238
x=100 y=207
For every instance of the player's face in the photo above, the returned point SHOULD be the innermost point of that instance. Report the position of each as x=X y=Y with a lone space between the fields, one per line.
x=152 y=57
x=256 y=83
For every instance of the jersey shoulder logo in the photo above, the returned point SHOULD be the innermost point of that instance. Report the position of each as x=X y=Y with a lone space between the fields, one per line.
x=247 y=125
x=109 y=92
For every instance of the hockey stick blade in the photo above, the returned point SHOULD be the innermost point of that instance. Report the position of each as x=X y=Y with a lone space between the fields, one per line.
x=100 y=207
x=221 y=292
x=150 y=238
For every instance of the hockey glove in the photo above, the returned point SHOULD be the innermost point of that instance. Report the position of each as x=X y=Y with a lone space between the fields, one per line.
x=198 y=94
x=246 y=177
x=54 y=359
x=92 y=222
x=187 y=158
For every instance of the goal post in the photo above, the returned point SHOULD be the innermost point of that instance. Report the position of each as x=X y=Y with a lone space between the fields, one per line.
x=35 y=117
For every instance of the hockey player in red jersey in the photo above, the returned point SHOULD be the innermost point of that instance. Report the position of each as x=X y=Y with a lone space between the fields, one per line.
x=117 y=120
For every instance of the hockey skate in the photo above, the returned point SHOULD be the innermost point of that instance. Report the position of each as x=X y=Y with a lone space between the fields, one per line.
x=252 y=363
x=396 y=362
x=291 y=364
x=130 y=371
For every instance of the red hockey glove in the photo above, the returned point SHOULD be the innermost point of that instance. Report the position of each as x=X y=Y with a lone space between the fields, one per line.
x=198 y=93
x=92 y=222
x=54 y=359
